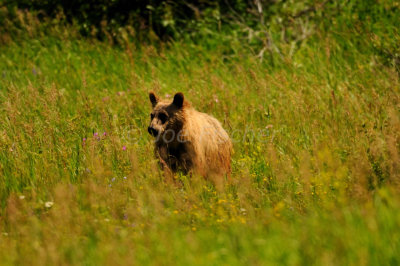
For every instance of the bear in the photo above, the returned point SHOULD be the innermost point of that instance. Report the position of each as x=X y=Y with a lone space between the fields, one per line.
x=187 y=140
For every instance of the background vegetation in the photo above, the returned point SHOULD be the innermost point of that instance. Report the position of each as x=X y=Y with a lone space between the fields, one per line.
x=318 y=81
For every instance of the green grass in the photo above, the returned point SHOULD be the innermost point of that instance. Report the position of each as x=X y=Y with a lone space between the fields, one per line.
x=320 y=185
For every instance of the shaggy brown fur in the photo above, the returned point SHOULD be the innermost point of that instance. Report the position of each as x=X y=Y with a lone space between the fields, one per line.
x=188 y=140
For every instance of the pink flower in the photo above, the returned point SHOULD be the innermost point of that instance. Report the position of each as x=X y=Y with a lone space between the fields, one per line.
x=105 y=134
x=216 y=99
x=124 y=148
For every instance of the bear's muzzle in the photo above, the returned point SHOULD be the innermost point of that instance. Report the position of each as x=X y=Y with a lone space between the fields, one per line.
x=152 y=131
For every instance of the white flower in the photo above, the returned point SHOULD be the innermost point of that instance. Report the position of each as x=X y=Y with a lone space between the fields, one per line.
x=48 y=204
x=22 y=197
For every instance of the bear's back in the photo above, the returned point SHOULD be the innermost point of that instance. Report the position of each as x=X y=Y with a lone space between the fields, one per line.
x=210 y=141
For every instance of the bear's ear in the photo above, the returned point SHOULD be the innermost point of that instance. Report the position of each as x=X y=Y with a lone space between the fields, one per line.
x=153 y=98
x=178 y=100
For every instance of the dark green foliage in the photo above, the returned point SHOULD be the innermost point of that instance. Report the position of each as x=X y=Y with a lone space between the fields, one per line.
x=165 y=18
x=269 y=29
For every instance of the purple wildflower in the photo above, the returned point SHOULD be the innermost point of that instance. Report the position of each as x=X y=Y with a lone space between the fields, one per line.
x=124 y=148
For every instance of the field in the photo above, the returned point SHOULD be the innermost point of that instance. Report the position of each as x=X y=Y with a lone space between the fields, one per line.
x=316 y=162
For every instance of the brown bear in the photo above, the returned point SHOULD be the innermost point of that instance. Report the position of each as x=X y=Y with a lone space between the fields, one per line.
x=187 y=140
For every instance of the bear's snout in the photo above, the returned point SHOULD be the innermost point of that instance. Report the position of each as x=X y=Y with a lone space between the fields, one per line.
x=152 y=131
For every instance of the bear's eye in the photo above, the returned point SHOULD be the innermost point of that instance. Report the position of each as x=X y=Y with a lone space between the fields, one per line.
x=163 y=117
x=151 y=116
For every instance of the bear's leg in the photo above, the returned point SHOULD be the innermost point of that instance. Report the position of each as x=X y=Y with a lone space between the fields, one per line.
x=164 y=161
x=185 y=163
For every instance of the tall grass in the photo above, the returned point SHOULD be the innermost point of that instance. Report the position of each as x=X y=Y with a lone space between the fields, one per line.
x=315 y=170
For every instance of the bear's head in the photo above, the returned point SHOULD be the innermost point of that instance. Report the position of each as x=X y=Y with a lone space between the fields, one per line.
x=166 y=118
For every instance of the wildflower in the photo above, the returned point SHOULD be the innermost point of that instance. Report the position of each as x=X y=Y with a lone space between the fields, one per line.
x=167 y=95
x=124 y=148
x=48 y=204
x=125 y=177
x=216 y=99
x=176 y=212
x=194 y=229
x=104 y=133
x=113 y=179
x=22 y=197
x=83 y=141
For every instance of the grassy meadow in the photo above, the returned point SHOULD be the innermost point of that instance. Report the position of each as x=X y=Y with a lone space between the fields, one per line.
x=316 y=162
